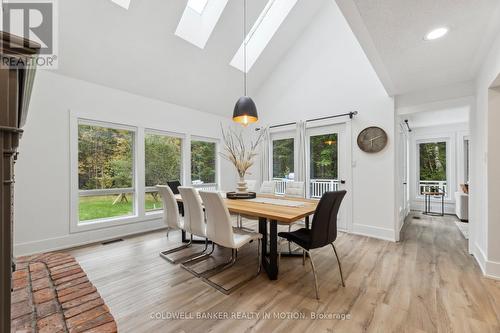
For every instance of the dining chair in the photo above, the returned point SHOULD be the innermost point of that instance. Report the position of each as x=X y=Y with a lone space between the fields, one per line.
x=295 y=189
x=194 y=220
x=323 y=231
x=171 y=218
x=251 y=185
x=268 y=187
x=174 y=186
x=221 y=232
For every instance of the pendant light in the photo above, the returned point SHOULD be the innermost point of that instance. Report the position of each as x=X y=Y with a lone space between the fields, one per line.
x=245 y=111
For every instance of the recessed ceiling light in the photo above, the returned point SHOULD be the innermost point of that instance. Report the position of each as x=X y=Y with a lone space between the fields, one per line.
x=437 y=33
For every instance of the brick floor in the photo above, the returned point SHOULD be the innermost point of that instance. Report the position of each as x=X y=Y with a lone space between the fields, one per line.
x=51 y=293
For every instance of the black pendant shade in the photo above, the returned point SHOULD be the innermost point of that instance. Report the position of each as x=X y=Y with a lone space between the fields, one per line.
x=245 y=111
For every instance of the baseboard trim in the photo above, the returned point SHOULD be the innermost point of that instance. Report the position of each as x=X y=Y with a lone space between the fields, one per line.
x=374 y=232
x=86 y=238
x=490 y=269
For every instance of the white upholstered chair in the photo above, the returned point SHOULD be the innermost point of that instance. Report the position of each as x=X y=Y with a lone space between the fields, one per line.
x=221 y=232
x=295 y=189
x=194 y=220
x=268 y=187
x=171 y=218
x=251 y=185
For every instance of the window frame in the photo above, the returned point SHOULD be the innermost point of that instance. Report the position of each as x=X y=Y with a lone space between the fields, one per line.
x=140 y=215
x=182 y=175
x=75 y=224
x=282 y=135
x=449 y=164
x=217 y=158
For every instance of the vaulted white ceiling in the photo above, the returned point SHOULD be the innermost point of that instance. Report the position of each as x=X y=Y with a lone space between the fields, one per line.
x=136 y=50
x=392 y=32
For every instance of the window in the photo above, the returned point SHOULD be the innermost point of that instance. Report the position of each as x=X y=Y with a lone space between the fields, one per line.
x=283 y=158
x=268 y=22
x=432 y=168
x=105 y=172
x=203 y=164
x=197 y=5
x=198 y=21
x=324 y=159
x=122 y=3
x=163 y=158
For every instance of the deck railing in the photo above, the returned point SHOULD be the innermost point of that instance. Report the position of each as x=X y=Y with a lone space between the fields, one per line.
x=316 y=186
x=319 y=186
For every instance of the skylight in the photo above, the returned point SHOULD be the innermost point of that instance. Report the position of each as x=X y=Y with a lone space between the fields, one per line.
x=197 y=5
x=269 y=21
x=122 y=3
x=199 y=20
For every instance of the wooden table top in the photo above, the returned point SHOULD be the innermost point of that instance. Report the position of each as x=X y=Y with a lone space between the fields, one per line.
x=279 y=213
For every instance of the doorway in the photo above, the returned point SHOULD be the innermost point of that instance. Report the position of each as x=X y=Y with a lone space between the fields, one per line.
x=328 y=156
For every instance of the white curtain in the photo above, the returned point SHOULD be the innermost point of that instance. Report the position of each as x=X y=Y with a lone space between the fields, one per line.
x=264 y=156
x=300 y=173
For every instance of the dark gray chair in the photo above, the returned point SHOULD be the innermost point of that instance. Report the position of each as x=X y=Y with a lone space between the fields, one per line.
x=322 y=233
x=174 y=186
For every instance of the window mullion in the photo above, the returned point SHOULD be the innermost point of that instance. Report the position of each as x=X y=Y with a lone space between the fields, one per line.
x=139 y=174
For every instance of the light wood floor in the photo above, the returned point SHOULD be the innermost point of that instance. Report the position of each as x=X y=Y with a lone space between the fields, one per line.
x=426 y=283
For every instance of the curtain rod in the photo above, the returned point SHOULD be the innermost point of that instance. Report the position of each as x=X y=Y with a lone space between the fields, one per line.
x=407 y=125
x=350 y=114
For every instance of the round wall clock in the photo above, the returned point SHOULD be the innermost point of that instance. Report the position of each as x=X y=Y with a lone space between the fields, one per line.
x=372 y=139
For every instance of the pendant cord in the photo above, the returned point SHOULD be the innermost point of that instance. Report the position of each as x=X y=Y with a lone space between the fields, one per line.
x=245 y=46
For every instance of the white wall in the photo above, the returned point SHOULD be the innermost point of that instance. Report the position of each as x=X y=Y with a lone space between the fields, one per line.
x=42 y=198
x=483 y=205
x=454 y=135
x=326 y=73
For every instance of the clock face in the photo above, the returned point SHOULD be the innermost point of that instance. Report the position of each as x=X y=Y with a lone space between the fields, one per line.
x=372 y=140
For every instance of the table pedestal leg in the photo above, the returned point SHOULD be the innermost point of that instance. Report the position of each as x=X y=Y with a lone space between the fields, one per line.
x=269 y=260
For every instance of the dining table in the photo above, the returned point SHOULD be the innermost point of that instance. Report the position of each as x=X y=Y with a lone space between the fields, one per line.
x=271 y=210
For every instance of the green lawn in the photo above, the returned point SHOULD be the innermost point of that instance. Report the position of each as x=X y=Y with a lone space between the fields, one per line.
x=99 y=207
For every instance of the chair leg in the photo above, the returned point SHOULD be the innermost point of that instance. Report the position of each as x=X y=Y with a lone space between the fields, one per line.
x=289 y=243
x=314 y=273
x=168 y=230
x=165 y=254
x=220 y=268
x=340 y=266
x=186 y=264
x=303 y=257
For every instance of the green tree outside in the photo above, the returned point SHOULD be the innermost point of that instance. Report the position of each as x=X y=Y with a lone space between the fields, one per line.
x=203 y=157
x=324 y=156
x=433 y=161
x=283 y=158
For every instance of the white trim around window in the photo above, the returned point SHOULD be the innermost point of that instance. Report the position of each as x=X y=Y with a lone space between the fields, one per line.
x=450 y=164
x=75 y=224
x=217 y=157
x=139 y=214
x=182 y=175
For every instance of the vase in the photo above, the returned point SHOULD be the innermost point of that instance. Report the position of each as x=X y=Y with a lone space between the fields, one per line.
x=242 y=185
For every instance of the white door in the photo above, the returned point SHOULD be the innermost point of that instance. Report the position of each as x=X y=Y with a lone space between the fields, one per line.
x=328 y=156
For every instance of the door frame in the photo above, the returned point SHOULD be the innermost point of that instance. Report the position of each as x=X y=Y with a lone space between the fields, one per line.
x=328 y=127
